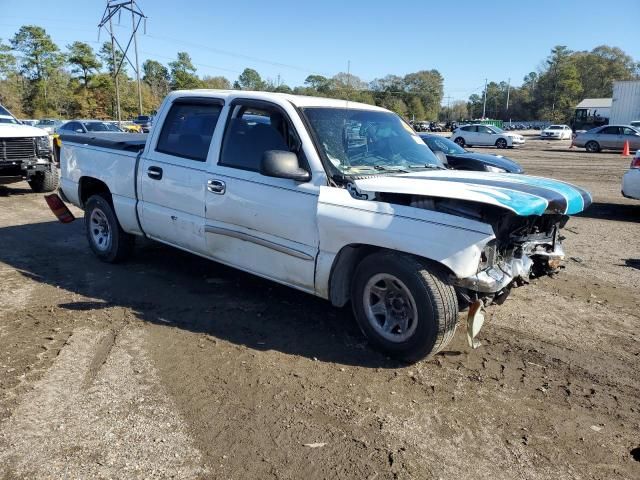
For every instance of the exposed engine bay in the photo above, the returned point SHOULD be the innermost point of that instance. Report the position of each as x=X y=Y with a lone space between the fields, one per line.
x=525 y=247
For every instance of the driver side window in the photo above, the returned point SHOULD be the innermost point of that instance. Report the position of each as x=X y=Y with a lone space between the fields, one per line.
x=253 y=129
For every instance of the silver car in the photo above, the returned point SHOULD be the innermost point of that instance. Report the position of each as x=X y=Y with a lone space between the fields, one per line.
x=609 y=137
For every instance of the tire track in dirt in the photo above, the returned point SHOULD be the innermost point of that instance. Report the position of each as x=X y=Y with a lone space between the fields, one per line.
x=122 y=425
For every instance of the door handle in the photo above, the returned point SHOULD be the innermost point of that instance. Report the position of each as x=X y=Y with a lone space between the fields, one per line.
x=216 y=186
x=154 y=173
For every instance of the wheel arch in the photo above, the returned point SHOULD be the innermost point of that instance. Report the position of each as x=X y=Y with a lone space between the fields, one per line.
x=88 y=186
x=346 y=261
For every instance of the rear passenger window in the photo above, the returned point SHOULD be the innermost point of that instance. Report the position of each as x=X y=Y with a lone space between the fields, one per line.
x=187 y=130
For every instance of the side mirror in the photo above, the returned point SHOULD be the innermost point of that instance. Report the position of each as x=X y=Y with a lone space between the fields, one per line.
x=282 y=164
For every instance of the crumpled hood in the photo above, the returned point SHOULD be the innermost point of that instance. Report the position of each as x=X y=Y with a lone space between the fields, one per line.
x=522 y=194
x=10 y=130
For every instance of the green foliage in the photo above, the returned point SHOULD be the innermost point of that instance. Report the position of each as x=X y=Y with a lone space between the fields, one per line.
x=37 y=79
x=82 y=59
x=183 y=73
x=249 y=79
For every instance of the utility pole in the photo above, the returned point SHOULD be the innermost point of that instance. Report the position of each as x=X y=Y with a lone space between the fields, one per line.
x=508 y=91
x=448 y=108
x=137 y=17
x=484 y=103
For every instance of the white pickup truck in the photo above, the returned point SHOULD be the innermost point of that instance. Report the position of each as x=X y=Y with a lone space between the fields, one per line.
x=338 y=199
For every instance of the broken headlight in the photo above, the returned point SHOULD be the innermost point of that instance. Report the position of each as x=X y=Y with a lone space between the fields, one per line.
x=489 y=255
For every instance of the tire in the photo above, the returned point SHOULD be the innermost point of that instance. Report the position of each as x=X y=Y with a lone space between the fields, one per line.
x=592 y=146
x=106 y=238
x=460 y=141
x=501 y=143
x=423 y=290
x=46 y=181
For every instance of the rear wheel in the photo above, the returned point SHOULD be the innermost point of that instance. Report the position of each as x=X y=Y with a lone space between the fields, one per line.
x=406 y=308
x=105 y=235
x=460 y=141
x=501 y=143
x=592 y=146
x=46 y=181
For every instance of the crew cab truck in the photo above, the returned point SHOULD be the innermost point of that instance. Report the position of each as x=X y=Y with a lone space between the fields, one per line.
x=338 y=199
x=26 y=154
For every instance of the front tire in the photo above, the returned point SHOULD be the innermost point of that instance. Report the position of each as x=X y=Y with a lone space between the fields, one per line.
x=406 y=308
x=106 y=238
x=460 y=141
x=46 y=181
x=501 y=143
x=592 y=146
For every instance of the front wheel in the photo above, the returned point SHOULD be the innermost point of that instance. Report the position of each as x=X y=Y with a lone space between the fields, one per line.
x=106 y=238
x=405 y=308
x=501 y=143
x=45 y=181
x=459 y=141
x=592 y=147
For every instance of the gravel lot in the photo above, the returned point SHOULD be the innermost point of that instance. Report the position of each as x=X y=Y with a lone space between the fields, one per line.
x=170 y=366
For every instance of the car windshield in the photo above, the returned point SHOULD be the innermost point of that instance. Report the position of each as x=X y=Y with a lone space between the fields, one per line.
x=366 y=140
x=444 y=145
x=8 y=119
x=555 y=127
x=100 y=127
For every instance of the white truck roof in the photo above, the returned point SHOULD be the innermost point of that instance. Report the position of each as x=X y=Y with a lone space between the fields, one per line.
x=297 y=100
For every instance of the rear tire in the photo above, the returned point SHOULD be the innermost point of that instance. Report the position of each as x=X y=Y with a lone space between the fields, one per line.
x=406 y=308
x=592 y=146
x=46 y=181
x=460 y=141
x=106 y=238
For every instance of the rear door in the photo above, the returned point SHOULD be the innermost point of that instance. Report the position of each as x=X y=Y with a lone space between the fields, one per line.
x=172 y=177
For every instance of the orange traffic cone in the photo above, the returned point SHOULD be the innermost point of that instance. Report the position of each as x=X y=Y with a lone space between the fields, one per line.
x=625 y=150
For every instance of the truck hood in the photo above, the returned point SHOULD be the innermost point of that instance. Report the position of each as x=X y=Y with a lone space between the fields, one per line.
x=522 y=194
x=10 y=130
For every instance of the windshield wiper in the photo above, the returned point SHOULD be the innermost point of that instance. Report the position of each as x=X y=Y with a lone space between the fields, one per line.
x=390 y=169
x=428 y=166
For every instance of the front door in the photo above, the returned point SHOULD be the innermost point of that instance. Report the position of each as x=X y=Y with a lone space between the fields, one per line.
x=261 y=224
x=172 y=177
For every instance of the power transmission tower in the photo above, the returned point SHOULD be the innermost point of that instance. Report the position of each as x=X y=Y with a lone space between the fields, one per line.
x=137 y=17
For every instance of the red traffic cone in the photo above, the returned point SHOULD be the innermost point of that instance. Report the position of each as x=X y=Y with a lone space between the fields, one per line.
x=625 y=150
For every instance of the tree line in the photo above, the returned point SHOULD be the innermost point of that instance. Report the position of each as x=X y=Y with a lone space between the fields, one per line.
x=38 y=79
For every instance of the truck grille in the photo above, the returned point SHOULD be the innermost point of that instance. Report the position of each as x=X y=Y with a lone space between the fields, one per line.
x=17 y=149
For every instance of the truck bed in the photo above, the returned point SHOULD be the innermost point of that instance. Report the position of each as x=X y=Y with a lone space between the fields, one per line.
x=130 y=142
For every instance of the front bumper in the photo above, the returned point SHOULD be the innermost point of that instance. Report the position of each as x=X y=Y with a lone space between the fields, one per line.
x=499 y=276
x=517 y=141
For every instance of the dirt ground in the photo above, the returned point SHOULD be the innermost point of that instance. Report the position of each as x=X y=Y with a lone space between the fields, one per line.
x=170 y=366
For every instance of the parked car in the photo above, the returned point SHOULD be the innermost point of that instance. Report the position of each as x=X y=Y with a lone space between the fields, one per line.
x=635 y=124
x=479 y=134
x=375 y=222
x=145 y=122
x=49 y=125
x=88 y=126
x=28 y=121
x=25 y=154
x=557 y=132
x=608 y=137
x=631 y=179
x=454 y=156
x=127 y=126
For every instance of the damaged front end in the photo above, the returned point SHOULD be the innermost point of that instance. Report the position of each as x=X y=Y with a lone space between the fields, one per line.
x=524 y=248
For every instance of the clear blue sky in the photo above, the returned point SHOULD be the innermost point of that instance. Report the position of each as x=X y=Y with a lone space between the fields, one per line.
x=465 y=40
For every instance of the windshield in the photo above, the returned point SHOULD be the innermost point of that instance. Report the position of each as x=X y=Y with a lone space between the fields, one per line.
x=100 y=127
x=555 y=127
x=444 y=145
x=7 y=119
x=366 y=140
